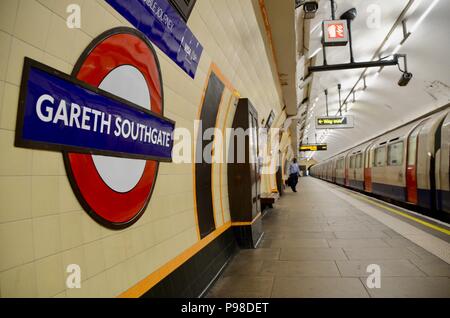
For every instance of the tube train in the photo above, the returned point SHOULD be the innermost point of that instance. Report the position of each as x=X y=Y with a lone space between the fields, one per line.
x=409 y=164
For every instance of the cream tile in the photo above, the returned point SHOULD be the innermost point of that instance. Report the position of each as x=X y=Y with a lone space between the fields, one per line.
x=146 y=235
x=46 y=163
x=61 y=41
x=10 y=104
x=91 y=230
x=114 y=249
x=19 y=282
x=67 y=199
x=5 y=46
x=15 y=198
x=138 y=237
x=60 y=6
x=127 y=239
x=74 y=256
x=33 y=22
x=71 y=229
x=50 y=276
x=95 y=259
x=50 y=4
x=47 y=236
x=2 y=89
x=57 y=63
x=116 y=280
x=91 y=24
x=82 y=40
x=145 y=264
x=77 y=292
x=8 y=13
x=61 y=295
x=130 y=270
x=14 y=161
x=19 y=50
x=45 y=193
x=16 y=244
x=95 y=287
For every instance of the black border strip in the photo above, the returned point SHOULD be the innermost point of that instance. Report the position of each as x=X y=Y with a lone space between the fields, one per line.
x=24 y=143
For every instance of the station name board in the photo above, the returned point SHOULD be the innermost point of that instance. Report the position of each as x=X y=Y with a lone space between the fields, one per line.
x=314 y=147
x=57 y=112
x=163 y=25
x=334 y=122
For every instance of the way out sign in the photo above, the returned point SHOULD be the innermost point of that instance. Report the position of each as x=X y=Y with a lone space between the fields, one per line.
x=336 y=122
x=335 y=33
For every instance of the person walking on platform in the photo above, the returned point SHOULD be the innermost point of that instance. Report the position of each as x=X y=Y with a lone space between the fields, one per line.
x=294 y=172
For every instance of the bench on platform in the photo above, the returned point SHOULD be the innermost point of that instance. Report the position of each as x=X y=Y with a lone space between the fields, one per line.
x=268 y=199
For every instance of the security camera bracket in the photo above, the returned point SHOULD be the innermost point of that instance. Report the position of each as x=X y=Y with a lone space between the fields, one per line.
x=350 y=15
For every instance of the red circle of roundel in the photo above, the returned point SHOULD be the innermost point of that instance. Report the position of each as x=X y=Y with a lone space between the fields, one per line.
x=114 y=48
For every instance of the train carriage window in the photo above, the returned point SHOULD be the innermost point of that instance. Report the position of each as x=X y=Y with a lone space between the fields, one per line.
x=352 y=162
x=380 y=157
x=372 y=156
x=359 y=161
x=395 y=154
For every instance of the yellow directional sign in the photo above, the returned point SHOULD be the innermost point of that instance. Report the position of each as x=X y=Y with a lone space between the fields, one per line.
x=314 y=147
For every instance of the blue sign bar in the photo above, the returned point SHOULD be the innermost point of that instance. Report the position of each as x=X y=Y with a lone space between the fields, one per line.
x=57 y=112
x=162 y=24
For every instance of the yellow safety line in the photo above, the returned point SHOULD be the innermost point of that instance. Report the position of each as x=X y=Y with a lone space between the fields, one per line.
x=246 y=223
x=432 y=226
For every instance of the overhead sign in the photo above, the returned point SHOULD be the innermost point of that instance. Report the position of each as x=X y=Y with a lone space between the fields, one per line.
x=60 y=113
x=334 y=122
x=106 y=118
x=335 y=32
x=163 y=25
x=313 y=147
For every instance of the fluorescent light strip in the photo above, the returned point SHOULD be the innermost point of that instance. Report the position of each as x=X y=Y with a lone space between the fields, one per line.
x=315 y=52
x=423 y=16
x=315 y=28
x=416 y=25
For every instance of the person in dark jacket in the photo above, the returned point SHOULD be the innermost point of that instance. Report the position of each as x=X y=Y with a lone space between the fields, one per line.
x=294 y=172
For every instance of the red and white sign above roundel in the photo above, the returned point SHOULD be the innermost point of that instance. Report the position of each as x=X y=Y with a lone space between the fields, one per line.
x=115 y=191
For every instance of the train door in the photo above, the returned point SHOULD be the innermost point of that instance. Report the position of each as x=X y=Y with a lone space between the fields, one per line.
x=435 y=166
x=444 y=189
x=411 y=167
x=368 y=170
x=346 y=164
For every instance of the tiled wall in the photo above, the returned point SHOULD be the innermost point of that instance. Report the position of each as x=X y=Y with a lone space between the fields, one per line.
x=42 y=226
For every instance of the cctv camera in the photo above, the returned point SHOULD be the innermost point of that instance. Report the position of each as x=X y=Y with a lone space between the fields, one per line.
x=310 y=9
x=349 y=14
x=404 y=80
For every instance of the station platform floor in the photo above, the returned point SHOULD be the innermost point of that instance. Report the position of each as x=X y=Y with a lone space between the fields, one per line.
x=319 y=241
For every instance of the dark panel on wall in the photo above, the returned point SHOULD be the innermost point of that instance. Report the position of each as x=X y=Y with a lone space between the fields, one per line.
x=210 y=107
x=279 y=176
x=243 y=178
x=184 y=7
x=192 y=278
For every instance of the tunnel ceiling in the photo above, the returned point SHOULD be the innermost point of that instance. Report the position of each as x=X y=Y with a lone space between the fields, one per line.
x=383 y=104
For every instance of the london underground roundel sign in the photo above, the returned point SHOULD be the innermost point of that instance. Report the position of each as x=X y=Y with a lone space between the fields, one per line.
x=115 y=190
